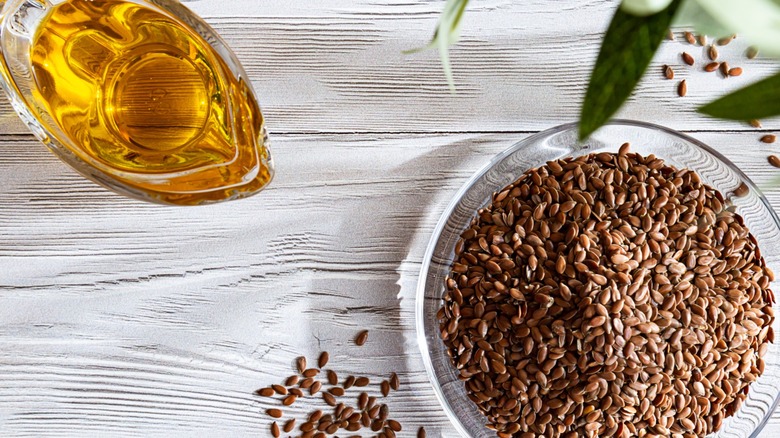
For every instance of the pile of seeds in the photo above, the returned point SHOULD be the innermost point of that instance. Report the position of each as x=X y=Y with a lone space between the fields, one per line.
x=364 y=413
x=609 y=295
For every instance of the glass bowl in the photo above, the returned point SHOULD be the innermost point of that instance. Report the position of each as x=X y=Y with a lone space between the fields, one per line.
x=676 y=149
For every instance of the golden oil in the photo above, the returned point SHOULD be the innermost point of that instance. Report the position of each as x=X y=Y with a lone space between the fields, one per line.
x=141 y=96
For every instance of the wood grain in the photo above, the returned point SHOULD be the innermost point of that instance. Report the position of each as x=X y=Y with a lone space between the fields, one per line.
x=338 y=66
x=129 y=319
x=521 y=66
x=124 y=319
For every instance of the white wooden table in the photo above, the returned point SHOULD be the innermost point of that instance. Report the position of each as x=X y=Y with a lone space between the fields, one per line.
x=119 y=318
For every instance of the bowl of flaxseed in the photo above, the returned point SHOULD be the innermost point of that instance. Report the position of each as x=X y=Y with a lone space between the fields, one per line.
x=620 y=287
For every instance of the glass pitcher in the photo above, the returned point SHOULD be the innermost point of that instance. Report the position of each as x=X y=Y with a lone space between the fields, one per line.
x=140 y=96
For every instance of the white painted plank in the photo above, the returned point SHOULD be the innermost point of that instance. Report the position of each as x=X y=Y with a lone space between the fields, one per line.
x=337 y=66
x=522 y=66
x=126 y=319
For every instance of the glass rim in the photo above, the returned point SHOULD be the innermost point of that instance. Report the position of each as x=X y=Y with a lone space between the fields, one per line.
x=458 y=196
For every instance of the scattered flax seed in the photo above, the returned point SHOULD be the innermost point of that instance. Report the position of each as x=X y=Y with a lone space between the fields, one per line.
x=735 y=71
x=421 y=432
x=690 y=38
x=323 y=360
x=361 y=338
x=682 y=88
x=687 y=58
x=329 y=398
x=315 y=416
x=276 y=413
x=712 y=66
x=713 y=52
x=362 y=401
x=265 y=392
x=395 y=383
x=394 y=425
x=337 y=391
x=774 y=160
x=755 y=123
x=741 y=190
x=769 y=138
x=670 y=35
x=702 y=39
x=725 y=40
x=751 y=52
x=333 y=378
x=279 y=389
x=344 y=418
x=668 y=72
x=724 y=69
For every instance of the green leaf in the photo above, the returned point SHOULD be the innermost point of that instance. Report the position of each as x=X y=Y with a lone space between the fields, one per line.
x=757 y=101
x=627 y=49
x=447 y=33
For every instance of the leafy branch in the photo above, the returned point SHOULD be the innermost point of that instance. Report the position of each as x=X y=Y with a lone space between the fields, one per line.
x=631 y=42
x=628 y=47
x=756 y=101
x=632 y=39
x=447 y=33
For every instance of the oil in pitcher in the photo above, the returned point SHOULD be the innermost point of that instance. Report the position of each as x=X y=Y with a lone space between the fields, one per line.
x=131 y=90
